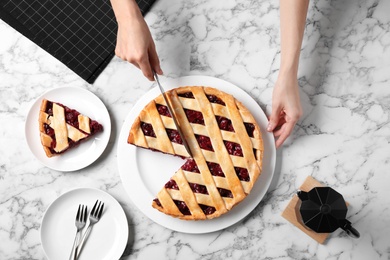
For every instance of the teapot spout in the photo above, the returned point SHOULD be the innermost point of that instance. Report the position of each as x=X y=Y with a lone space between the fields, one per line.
x=303 y=195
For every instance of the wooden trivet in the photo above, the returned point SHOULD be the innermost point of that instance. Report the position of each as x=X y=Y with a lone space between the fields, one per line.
x=292 y=214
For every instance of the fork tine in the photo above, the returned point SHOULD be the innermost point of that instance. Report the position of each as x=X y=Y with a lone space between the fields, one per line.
x=78 y=213
x=97 y=209
x=94 y=208
x=85 y=214
x=100 y=211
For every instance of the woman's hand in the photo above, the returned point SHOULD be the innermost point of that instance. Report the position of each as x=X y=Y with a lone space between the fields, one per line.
x=286 y=108
x=134 y=41
x=286 y=105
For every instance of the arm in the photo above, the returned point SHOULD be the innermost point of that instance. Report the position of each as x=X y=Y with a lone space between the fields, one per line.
x=134 y=41
x=286 y=107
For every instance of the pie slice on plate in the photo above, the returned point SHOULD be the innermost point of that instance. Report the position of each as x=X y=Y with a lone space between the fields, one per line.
x=224 y=139
x=62 y=128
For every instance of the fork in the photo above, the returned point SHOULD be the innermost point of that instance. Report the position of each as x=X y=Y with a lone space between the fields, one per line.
x=81 y=220
x=94 y=217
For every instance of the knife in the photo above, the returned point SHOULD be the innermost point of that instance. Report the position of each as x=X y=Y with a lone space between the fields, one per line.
x=172 y=115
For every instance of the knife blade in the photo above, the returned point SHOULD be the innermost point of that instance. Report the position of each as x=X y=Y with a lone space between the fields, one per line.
x=170 y=109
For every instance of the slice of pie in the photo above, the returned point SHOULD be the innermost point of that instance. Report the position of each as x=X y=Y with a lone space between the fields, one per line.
x=226 y=144
x=62 y=128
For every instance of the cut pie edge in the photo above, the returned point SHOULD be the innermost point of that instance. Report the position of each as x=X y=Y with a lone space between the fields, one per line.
x=137 y=138
x=57 y=133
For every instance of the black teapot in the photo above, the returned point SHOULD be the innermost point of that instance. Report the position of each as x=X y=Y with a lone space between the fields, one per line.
x=324 y=210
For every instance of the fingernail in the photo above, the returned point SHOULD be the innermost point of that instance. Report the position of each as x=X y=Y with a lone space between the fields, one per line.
x=269 y=127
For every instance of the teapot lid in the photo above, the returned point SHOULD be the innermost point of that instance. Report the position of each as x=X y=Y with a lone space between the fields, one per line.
x=323 y=210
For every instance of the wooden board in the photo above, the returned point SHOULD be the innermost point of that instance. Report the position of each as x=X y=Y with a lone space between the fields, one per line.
x=291 y=212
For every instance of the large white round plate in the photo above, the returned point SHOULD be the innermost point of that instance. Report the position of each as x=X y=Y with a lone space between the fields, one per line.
x=144 y=172
x=107 y=239
x=87 y=152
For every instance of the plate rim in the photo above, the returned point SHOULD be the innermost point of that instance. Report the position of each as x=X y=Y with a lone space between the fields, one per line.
x=206 y=79
x=87 y=189
x=107 y=128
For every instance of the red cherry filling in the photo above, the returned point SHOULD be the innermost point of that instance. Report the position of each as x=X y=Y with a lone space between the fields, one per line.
x=50 y=131
x=163 y=110
x=171 y=184
x=194 y=117
x=250 y=128
x=147 y=129
x=215 y=99
x=190 y=166
x=242 y=173
x=215 y=169
x=204 y=142
x=225 y=193
x=187 y=95
x=233 y=148
x=224 y=123
x=207 y=210
x=198 y=188
x=182 y=206
x=157 y=202
x=174 y=136
x=49 y=108
x=95 y=127
x=71 y=118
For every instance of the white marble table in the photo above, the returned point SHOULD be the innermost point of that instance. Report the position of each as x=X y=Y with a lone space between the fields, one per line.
x=342 y=140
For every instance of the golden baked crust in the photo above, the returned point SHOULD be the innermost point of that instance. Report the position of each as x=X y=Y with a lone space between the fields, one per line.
x=209 y=198
x=62 y=128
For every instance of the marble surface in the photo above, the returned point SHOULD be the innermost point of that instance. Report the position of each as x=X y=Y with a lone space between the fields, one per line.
x=342 y=140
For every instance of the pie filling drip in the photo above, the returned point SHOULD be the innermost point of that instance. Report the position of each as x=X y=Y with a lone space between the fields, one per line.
x=71 y=118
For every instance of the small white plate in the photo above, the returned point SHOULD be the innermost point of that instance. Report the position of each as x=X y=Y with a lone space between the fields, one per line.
x=144 y=172
x=107 y=239
x=87 y=152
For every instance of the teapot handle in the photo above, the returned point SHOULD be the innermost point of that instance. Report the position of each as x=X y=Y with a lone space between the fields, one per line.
x=351 y=231
x=303 y=195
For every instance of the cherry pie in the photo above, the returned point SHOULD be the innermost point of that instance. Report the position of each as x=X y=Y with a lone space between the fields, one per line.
x=62 y=128
x=224 y=139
